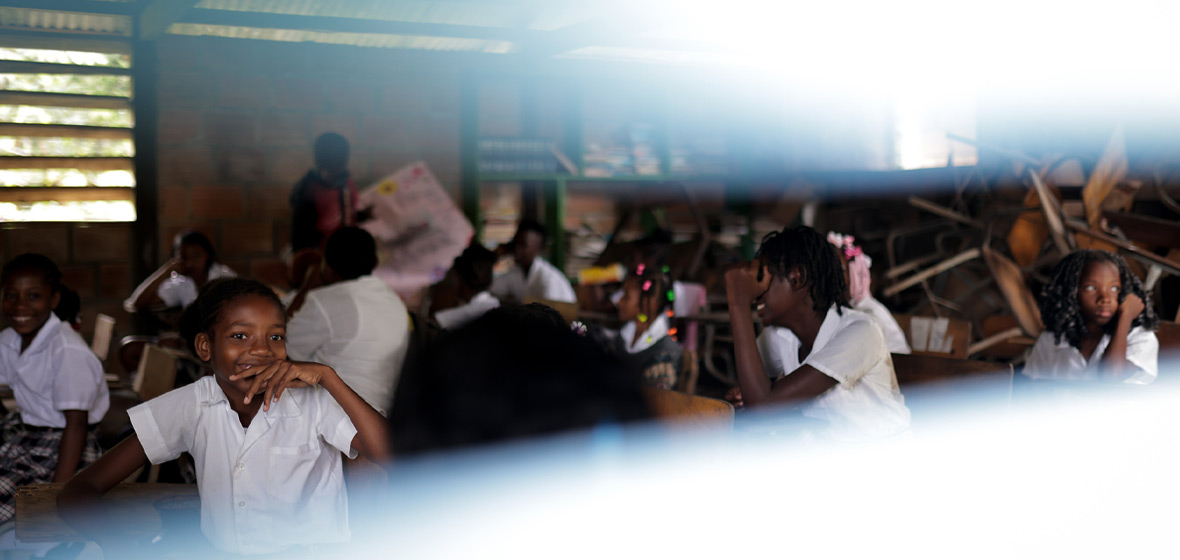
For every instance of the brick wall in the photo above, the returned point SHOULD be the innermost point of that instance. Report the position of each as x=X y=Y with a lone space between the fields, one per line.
x=238 y=120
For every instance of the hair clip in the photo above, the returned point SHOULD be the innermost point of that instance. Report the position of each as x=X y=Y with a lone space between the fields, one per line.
x=642 y=318
x=671 y=313
x=646 y=285
x=672 y=331
x=578 y=328
x=639 y=269
x=671 y=295
x=666 y=270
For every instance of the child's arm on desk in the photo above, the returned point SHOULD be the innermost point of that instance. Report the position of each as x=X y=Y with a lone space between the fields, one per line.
x=372 y=431
x=80 y=502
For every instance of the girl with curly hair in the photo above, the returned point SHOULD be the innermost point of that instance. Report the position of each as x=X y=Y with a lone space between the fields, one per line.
x=646 y=338
x=1098 y=323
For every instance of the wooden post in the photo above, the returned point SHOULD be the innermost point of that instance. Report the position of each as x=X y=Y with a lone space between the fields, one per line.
x=469 y=151
x=146 y=109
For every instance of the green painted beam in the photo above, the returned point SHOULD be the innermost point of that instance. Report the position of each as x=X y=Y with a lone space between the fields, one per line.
x=555 y=207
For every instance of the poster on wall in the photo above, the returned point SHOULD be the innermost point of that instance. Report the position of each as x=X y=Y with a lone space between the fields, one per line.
x=418 y=228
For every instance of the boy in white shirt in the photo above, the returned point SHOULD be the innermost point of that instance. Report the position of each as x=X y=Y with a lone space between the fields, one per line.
x=352 y=322
x=823 y=357
x=471 y=274
x=531 y=276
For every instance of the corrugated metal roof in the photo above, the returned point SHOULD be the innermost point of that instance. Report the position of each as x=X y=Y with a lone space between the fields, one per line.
x=66 y=22
x=376 y=40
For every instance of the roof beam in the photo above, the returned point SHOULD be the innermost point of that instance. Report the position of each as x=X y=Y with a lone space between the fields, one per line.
x=159 y=15
x=261 y=20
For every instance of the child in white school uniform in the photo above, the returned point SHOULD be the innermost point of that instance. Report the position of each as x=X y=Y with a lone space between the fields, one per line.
x=176 y=282
x=1099 y=324
x=816 y=353
x=266 y=434
x=56 y=380
x=856 y=272
x=471 y=276
x=646 y=338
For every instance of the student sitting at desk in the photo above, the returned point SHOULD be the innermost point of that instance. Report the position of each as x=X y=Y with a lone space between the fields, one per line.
x=1099 y=324
x=176 y=282
x=646 y=336
x=816 y=353
x=57 y=382
x=469 y=278
x=266 y=434
x=531 y=276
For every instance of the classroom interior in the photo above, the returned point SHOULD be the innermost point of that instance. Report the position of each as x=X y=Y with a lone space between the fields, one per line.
x=966 y=181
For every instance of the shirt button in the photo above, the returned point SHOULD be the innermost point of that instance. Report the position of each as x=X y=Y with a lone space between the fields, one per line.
x=241 y=466
x=241 y=504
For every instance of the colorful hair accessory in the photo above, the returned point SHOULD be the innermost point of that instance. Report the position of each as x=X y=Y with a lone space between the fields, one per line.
x=646 y=285
x=671 y=295
x=639 y=269
x=671 y=313
x=642 y=318
x=846 y=244
x=666 y=270
x=858 y=266
x=672 y=331
x=578 y=328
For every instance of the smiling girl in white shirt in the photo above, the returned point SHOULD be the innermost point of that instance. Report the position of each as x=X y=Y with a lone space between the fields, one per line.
x=266 y=434
x=1098 y=323
x=56 y=380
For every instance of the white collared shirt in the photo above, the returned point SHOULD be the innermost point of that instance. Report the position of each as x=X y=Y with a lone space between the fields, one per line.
x=866 y=404
x=544 y=281
x=57 y=372
x=264 y=488
x=179 y=290
x=657 y=330
x=358 y=327
x=894 y=337
x=456 y=317
x=1060 y=361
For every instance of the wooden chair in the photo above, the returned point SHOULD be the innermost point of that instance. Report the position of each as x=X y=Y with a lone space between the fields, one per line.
x=931 y=383
x=134 y=503
x=682 y=412
x=927 y=336
x=104 y=328
x=157 y=372
x=690 y=372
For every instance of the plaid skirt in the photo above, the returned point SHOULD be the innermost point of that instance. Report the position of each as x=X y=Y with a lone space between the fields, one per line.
x=28 y=455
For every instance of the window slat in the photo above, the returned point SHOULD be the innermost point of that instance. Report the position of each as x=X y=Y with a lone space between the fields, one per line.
x=83 y=163
x=25 y=67
x=19 y=195
x=31 y=130
x=71 y=100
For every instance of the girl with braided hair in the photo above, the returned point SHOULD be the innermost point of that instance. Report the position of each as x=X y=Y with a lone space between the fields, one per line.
x=647 y=335
x=856 y=271
x=1099 y=323
x=815 y=352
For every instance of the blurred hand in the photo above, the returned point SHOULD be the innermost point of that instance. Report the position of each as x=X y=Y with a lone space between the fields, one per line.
x=1131 y=307
x=734 y=395
x=746 y=282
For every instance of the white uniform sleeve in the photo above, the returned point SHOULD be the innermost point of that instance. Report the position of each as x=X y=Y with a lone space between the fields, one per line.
x=557 y=287
x=851 y=354
x=308 y=330
x=334 y=425
x=771 y=361
x=78 y=384
x=1039 y=363
x=166 y=425
x=508 y=286
x=1143 y=349
x=171 y=293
